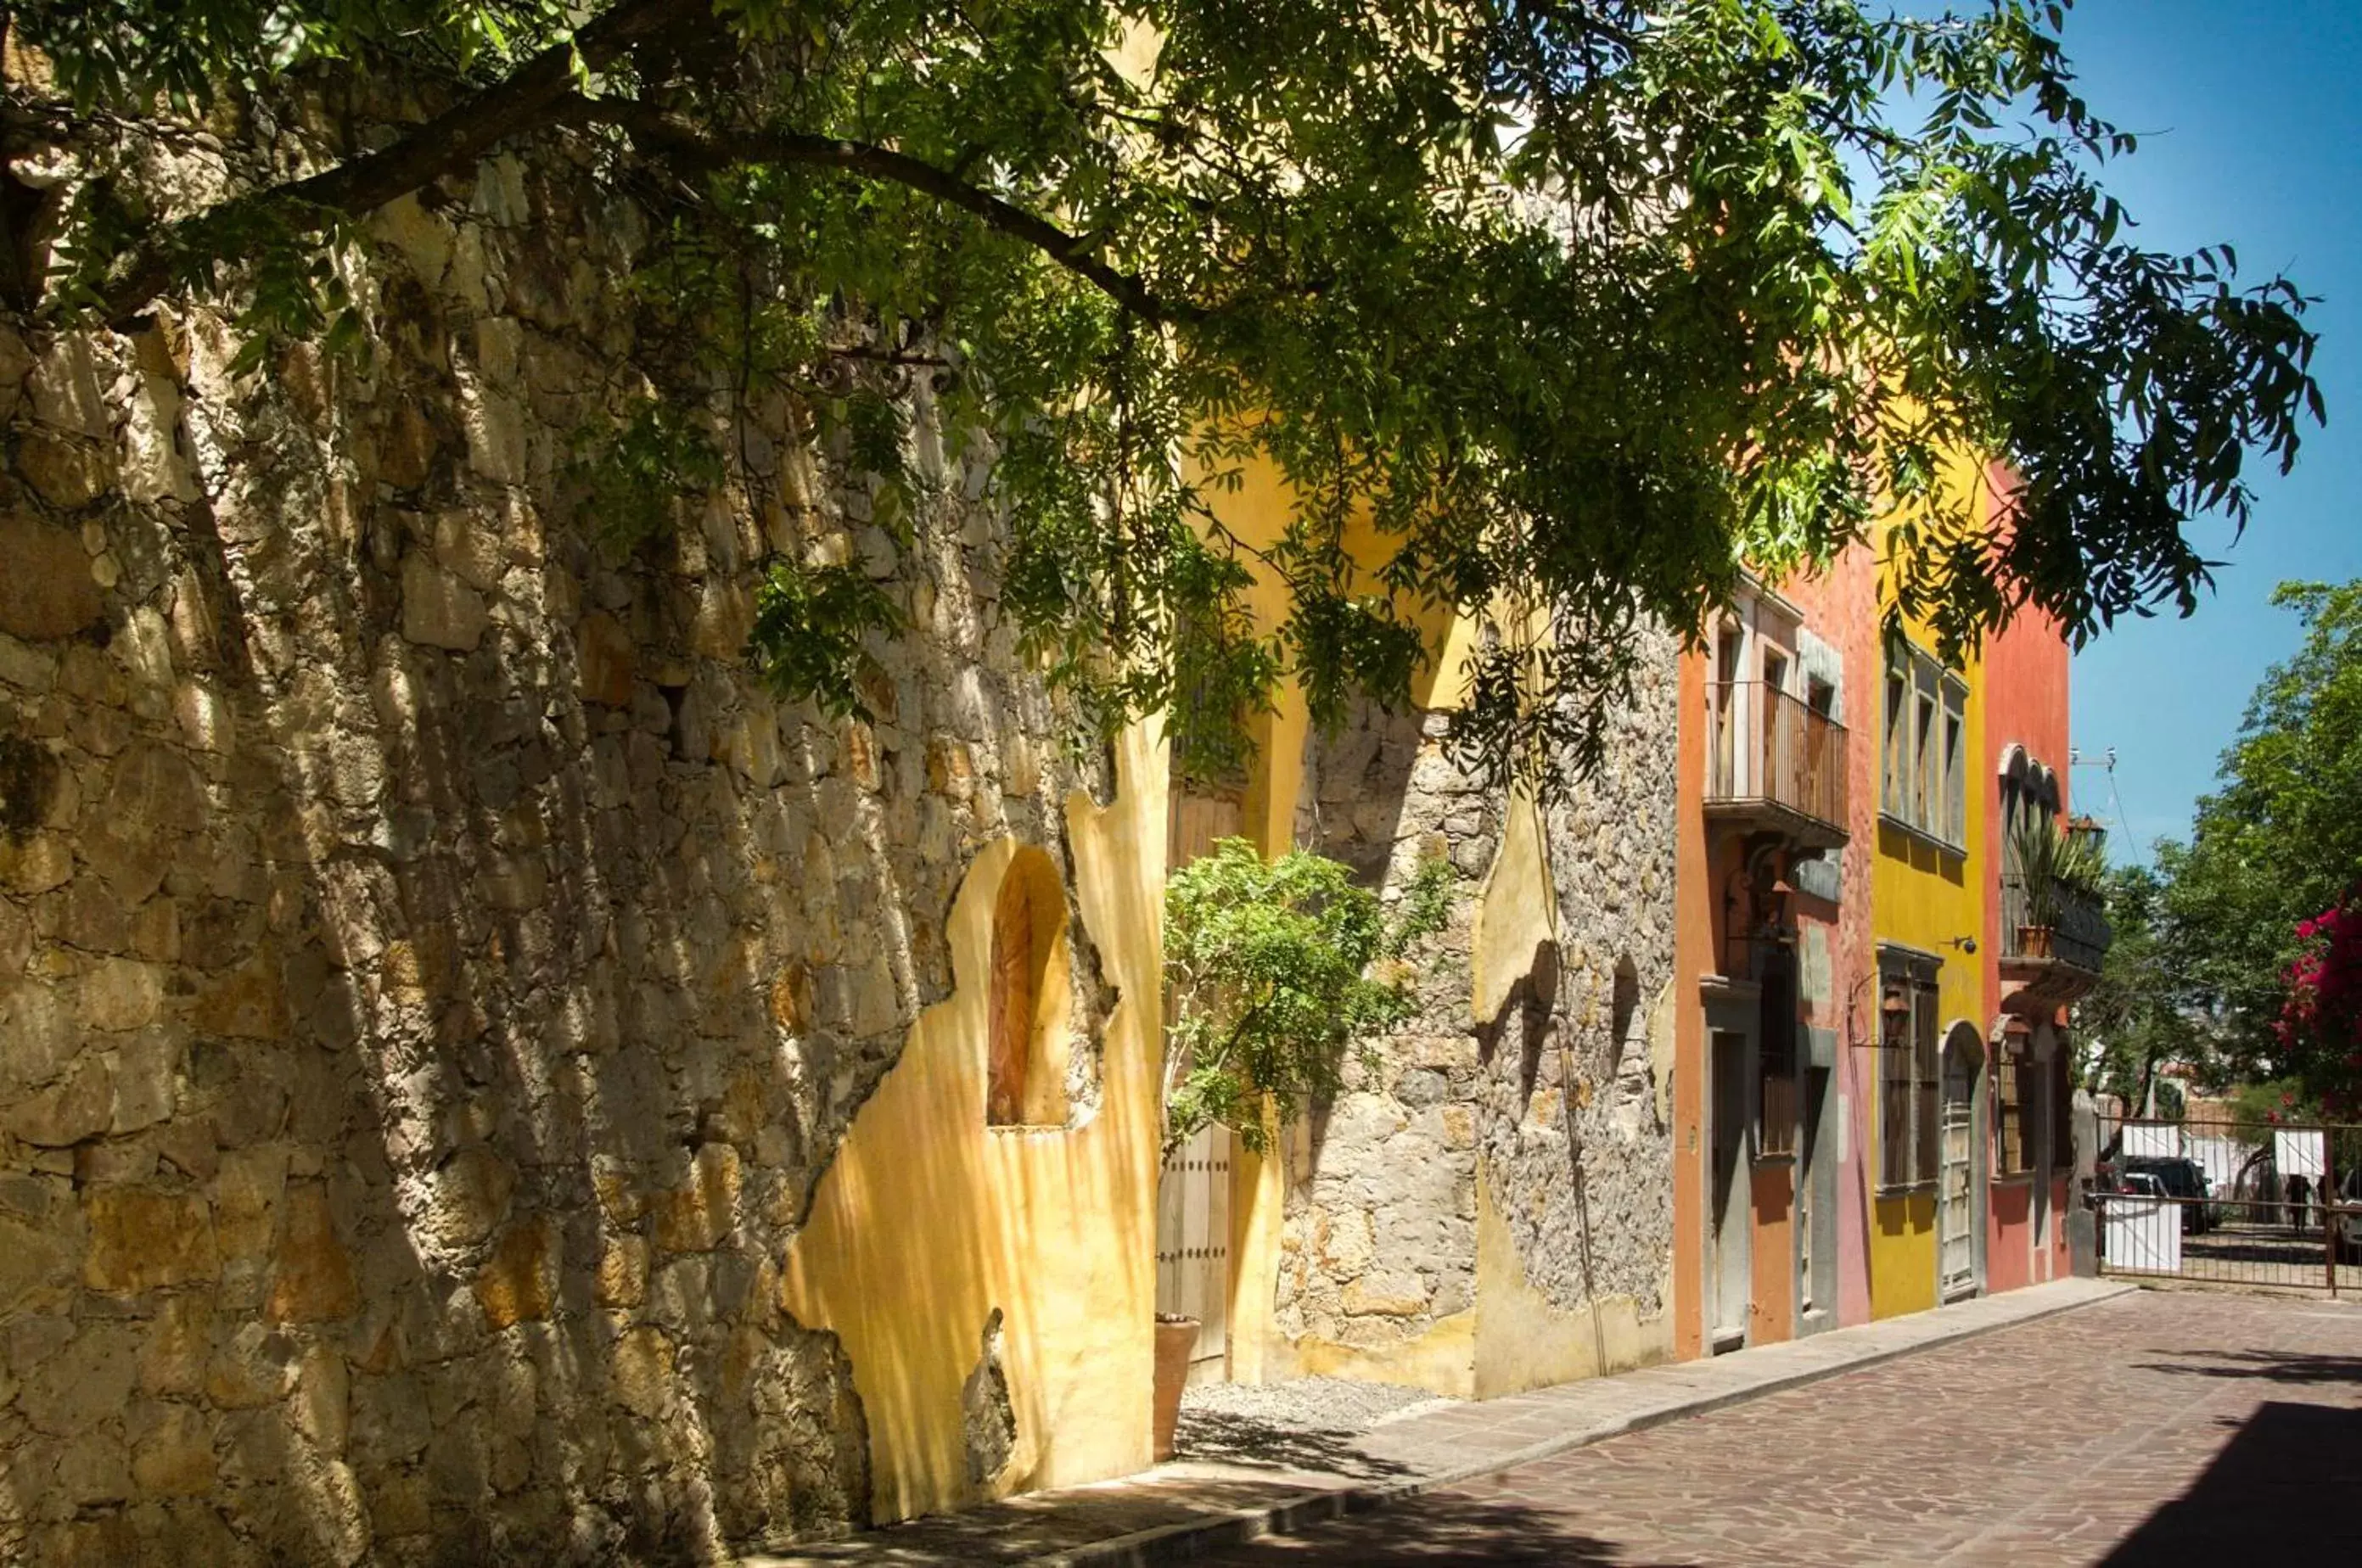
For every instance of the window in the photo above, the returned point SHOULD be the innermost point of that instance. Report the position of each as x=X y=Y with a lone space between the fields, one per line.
x=1025 y=1066
x=2013 y=1084
x=1898 y=730
x=1908 y=1088
x=2062 y=1112
x=1925 y=751
x=1775 y=1104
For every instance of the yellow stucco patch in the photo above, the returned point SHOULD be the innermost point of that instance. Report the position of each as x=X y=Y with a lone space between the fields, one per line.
x=1517 y=911
x=1443 y=1360
x=928 y=1220
x=1525 y=1341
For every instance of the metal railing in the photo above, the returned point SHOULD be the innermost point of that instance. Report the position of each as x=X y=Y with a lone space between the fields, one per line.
x=1771 y=745
x=2079 y=932
x=2232 y=1201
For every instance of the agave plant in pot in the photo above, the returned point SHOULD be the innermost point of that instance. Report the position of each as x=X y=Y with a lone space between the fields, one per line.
x=2053 y=868
x=1278 y=975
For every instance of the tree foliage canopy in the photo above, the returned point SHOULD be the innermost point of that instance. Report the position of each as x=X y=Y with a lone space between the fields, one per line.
x=1577 y=302
x=2275 y=846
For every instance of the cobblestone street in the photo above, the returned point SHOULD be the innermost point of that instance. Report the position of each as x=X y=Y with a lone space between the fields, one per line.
x=2155 y=1428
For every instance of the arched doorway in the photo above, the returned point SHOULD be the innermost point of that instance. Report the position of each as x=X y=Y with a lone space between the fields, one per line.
x=1960 y=1192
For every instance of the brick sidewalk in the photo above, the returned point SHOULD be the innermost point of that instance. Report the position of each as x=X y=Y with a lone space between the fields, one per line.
x=1180 y=1511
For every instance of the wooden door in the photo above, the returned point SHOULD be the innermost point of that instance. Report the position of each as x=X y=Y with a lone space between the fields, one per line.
x=1957 y=1176
x=1193 y=1189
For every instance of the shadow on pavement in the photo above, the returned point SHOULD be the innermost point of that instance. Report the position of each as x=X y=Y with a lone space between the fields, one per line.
x=1227 y=1438
x=2273 y=1366
x=2288 y=1489
x=1433 y=1528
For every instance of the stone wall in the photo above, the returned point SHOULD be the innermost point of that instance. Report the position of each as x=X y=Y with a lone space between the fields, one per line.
x=433 y=974
x=1389 y=1186
x=1378 y=1243
x=1611 y=861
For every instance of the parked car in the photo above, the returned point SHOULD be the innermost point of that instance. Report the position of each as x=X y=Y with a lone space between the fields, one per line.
x=2180 y=1179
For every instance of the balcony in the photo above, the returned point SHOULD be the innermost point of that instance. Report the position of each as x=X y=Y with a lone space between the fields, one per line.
x=1776 y=764
x=2043 y=968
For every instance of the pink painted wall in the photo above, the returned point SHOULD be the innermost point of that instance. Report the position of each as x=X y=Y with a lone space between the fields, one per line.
x=2009 y=1211
x=1840 y=607
x=2025 y=705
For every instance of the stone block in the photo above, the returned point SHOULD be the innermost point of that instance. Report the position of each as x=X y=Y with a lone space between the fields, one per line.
x=622 y=1277
x=47 y=591
x=177 y=1343
x=85 y=1384
x=312 y=1274
x=173 y=1451
x=439 y=609
x=122 y=994
x=248 y=1004
x=606 y=661
x=470 y=1197
x=642 y=1369
x=65 y=389
x=494 y=422
x=32 y=1259
x=35 y=865
x=141 y=1079
x=141 y=1239
x=1386 y=1295
x=515 y=1284
x=66 y=472
x=66 y=1112
x=696 y=1216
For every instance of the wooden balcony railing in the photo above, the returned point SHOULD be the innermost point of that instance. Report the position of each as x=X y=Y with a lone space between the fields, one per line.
x=2080 y=933
x=1777 y=761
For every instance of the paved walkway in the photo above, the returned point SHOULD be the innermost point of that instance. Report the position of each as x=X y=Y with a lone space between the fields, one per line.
x=2153 y=1429
x=1182 y=1512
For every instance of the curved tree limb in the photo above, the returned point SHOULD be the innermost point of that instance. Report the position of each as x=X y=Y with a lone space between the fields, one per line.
x=656 y=132
x=451 y=140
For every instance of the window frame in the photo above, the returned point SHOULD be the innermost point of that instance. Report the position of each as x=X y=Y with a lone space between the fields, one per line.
x=1910 y=1068
x=2013 y=1085
x=1923 y=751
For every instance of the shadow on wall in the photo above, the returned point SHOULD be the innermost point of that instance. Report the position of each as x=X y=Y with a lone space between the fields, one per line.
x=437 y=975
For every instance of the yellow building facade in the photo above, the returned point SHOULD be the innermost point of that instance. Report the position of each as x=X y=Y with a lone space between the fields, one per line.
x=1928 y=892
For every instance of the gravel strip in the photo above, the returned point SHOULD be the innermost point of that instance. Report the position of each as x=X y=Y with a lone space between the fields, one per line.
x=1305 y=1423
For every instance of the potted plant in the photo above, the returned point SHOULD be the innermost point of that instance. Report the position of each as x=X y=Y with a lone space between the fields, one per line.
x=2055 y=869
x=1277 y=973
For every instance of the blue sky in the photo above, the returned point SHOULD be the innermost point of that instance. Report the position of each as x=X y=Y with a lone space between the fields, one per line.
x=2251 y=131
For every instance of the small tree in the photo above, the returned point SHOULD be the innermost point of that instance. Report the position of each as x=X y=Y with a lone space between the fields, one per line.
x=1277 y=970
x=2319 y=1026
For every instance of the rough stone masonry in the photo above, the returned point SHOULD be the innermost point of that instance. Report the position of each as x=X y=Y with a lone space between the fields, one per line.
x=432 y=971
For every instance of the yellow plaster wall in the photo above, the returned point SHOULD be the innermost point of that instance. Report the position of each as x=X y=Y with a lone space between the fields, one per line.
x=1903 y=1254
x=1523 y=1340
x=1443 y=1360
x=1925 y=897
x=1517 y=911
x=928 y=1220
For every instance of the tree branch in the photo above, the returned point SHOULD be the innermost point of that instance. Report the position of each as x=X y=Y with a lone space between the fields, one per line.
x=656 y=132
x=451 y=140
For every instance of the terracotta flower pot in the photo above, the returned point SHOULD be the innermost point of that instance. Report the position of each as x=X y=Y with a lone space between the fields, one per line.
x=1175 y=1338
x=2034 y=941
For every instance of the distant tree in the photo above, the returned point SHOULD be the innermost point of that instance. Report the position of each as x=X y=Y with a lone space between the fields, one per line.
x=2143 y=1014
x=2262 y=901
x=1576 y=303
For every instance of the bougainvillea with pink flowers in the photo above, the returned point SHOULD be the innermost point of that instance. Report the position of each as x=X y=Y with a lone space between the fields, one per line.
x=2319 y=1026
